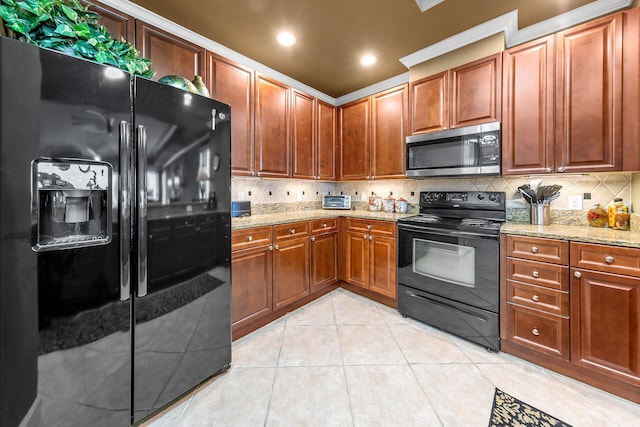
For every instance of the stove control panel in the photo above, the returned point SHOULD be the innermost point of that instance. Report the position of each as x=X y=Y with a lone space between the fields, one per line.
x=463 y=199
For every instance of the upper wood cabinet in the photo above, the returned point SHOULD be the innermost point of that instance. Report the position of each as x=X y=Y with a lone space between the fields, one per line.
x=589 y=97
x=233 y=84
x=466 y=95
x=563 y=101
x=325 y=150
x=631 y=90
x=528 y=140
x=119 y=24
x=354 y=139
x=302 y=135
x=372 y=135
x=389 y=111
x=271 y=128
x=429 y=100
x=475 y=92
x=169 y=54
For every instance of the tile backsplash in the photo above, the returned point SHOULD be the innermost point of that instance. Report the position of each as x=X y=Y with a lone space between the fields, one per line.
x=602 y=188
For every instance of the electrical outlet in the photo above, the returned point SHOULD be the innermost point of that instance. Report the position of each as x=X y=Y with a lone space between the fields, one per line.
x=240 y=195
x=575 y=203
x=363 y=197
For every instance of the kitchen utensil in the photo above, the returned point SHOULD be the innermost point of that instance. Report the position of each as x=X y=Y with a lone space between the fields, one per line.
x=529 y=195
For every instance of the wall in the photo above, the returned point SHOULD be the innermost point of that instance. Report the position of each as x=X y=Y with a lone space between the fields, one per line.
x=289 y=194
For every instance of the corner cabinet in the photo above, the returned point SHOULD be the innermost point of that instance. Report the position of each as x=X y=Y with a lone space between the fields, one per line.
x=373 y=133
x=574 y=308
x=272 y=145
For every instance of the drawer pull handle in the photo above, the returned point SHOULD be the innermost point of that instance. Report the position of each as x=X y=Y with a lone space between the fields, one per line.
x=293 y=231
x=277 y=247
x=249 y=238
x=535 y=332
x=577 y=274
x=368 y=227
x=534 y=249
x=313 y=239
x=535 y=274
x=324 y=225
x=535 y=298
x=609 y=259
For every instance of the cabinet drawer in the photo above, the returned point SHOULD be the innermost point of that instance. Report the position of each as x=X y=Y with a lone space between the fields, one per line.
x=537 y=249
x=323 y=225
x=538 y=273
x=538 y=330
x=250 y=238
x=538 y=297
x=609 y=259
x=290 y=230
x=382 y=228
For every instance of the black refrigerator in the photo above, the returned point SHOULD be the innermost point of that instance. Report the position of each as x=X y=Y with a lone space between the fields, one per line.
x=115 y=288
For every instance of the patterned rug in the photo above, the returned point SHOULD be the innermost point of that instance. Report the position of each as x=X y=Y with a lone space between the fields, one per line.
x=507 y=411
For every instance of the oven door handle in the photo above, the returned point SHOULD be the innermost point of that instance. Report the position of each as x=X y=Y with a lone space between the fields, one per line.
x=448 y=233
x=443 y=304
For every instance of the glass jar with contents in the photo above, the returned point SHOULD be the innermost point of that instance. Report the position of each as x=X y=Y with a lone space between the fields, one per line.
x=621 y=220
x=597 y=216
x=613 y=209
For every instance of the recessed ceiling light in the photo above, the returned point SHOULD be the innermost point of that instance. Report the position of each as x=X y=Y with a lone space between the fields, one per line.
x=367 y=60
x=285 y=38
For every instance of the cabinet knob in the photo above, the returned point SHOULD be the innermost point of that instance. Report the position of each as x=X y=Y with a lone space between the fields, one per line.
x=370 y=237
x=292 y=231
x=535 y=298
x=324 y=225
x=535 y=274
x=277 y=247
x=313 y=238
x=364 y=237
x=577 y=274
x=609 y=259
x=270 y=247
x=368 y=227
x=534 y=249
x=561 y=169
x=535 y=331
x=249 y=238
x=547 y=170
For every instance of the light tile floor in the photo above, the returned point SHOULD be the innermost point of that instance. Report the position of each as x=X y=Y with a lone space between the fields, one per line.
x=344 y=360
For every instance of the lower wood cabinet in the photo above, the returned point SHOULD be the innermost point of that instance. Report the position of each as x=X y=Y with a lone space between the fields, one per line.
x=290 y=271
x=370 y=255
x=251 y=285
x=324 y=253
x=578 y=314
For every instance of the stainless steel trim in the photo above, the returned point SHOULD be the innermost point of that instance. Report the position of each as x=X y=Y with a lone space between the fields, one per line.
x=125 y=211
x=467 y=130
x=141 y=177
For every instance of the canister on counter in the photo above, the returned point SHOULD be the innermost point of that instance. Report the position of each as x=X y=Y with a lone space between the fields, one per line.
x=613 y=209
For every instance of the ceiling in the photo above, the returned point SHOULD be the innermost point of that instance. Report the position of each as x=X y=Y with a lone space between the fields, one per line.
x=332 y=35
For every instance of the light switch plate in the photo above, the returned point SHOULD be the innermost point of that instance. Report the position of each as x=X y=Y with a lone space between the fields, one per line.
x=575 y=203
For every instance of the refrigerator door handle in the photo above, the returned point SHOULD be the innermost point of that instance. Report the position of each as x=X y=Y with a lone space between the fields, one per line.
x=125 y=211
x=142 y=210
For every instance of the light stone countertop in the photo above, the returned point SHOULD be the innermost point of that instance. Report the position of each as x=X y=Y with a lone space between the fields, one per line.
x=575 y=233
x=307 y=215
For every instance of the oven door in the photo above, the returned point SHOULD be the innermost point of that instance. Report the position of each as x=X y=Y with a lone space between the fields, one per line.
x=459 y=266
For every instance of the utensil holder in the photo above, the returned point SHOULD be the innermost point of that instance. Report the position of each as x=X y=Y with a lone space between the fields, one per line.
x=540 y=214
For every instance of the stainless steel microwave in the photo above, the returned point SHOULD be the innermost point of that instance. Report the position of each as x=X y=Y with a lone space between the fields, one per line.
x=471 y=150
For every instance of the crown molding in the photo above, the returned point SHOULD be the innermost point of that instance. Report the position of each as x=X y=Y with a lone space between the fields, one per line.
x=508 y=23
x=398 y=80
x=152 y=18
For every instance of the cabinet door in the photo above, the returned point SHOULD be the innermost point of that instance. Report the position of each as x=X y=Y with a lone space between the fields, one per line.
x=527 y=114
x=605 y=323
x=476 y=92
x=588 y=97
x=233 y=84
x=119 y=24
x=251 y=296
x=389 y=132
x=302 y=135
x=356 y=251
x=271 y=130
x=324 y=260
x=168 y=53
x=429 y=100
x=354 y=140
x=290 y=271
x=325 y=141
x=382 y=256
x=631 y=90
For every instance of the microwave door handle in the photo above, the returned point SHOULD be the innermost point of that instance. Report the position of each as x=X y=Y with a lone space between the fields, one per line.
x=125 y=211
x=141 y=176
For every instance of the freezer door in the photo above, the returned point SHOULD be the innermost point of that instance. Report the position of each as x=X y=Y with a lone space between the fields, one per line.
x=65 y=335
x=182 y=244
